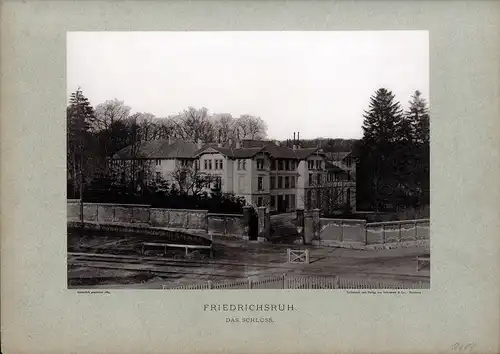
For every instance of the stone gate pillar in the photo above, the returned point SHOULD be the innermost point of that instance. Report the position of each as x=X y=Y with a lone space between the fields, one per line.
x=311 y=226
x=316 y=224
x=247 y=215
x=308 y=227
x=300 y=221
x=262 y=216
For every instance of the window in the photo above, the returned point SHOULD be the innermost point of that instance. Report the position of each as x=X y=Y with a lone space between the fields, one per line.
x=348 y=196
x=158 y=162
x=244 y=164
x=221 y=164
x=218 y=164
x=318 y=164
x=292 y=181
x=217 y=183
x=280 y=182
x=259 y=201
x=318 y=179
x=184 y=163
x=287 y=182
x=273 y=164
x=292 y=165
x=209 y=164
x=272 y=182
x=260 y=164
x=273 y=201
x=348 y=175
x=259 y=184
x=308 y=200
x=310 y=165
x=280 y=165
x=158 y=176
x=206 y=164
x=239 y=164
x=310 y=178
x=348 y=162
x=318 y=199
x=287 y=165
x=292 y=201
x=197 y=164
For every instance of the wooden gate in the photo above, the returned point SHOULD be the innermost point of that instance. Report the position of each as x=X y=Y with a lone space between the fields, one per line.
x=298 y=256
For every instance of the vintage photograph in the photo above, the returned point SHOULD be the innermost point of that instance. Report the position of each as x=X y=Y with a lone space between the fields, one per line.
x=248 y=160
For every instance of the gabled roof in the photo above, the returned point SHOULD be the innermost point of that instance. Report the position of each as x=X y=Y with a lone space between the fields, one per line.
x=338 y=156
x=162 y=149
x=330 y=167
x=242 y=153
x=158 y=149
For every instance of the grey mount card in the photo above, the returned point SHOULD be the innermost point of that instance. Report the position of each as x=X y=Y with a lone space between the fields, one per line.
x=250 y=176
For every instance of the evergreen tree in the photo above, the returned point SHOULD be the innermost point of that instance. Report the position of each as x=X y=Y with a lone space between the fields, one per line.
x=379 y=162
x=80 y=114
x=418 y=115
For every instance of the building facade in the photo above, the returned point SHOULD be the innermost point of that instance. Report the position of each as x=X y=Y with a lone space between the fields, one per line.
x=262 y=172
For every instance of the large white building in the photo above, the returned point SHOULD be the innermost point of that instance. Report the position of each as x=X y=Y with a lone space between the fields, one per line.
x=262 y=172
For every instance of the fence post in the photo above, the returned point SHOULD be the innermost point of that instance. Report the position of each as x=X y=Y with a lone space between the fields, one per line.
x=415 y=227
x=336 y=283
x=249 y=283
x=400 y=237
x=342 y=231
x=284 y=281
x=210 y=286
x=383 y=233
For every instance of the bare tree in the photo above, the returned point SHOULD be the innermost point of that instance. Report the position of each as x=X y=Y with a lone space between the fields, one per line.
x=191 y=181
x=109 y=112
x=250 y=127
x=224 y=126
x=146 y=125
x=194 y=125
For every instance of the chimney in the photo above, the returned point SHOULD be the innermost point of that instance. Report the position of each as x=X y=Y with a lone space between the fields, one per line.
x=294 y=138
x=199 y=143
x=238 y=144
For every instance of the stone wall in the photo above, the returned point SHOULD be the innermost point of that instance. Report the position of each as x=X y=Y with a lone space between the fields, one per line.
x=216 y=224
x=354 y=233
x=342 y=230
x=226 y=224
x=397 y=231
x=179 y=218
x=138 y=214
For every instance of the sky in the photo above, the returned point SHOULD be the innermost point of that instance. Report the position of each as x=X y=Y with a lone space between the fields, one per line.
x=315 y=83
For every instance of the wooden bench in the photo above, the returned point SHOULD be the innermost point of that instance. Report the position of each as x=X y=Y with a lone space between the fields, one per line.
x=423 y=259
x=186 y=247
